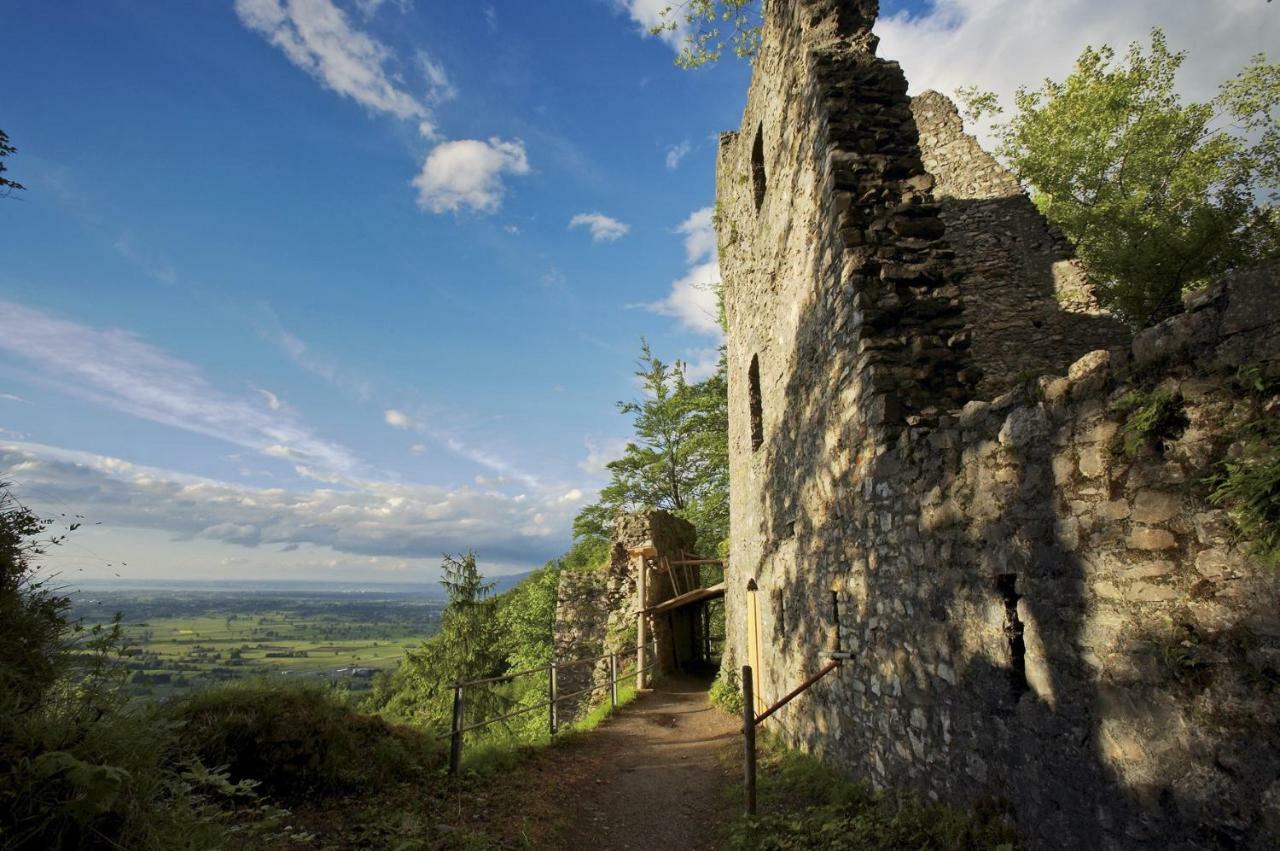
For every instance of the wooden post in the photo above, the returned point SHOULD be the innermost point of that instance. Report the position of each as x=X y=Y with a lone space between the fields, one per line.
x=641 y=590
x=749 y=739
x=455 y=739
x=553 y=713
x=613 y=680
x=706 y=631
x=671 y=631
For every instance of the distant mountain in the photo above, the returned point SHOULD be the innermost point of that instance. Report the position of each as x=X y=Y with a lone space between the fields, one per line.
x=506 y=583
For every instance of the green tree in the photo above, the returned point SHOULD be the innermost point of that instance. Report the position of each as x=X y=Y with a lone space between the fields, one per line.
x=678 y=459
x=467 y=647
x=709 y=27
x=1157 y=194
x=34 y=643
x=7 y=186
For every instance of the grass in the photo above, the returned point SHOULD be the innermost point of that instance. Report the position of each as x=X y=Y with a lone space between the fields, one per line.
x=802 y=804
x=171 y=655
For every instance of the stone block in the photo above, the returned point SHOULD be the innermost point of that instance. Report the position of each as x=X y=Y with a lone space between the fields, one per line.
x=1093 y=462
x=1146 y=592
x=1153 y=506
x=1147 y=538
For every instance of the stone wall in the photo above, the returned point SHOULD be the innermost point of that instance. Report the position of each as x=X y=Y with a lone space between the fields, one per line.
x=1031 y=307
x=596 y=610
x=1037 y=619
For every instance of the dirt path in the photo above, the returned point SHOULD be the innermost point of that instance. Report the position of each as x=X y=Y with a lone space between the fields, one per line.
x=649 y=777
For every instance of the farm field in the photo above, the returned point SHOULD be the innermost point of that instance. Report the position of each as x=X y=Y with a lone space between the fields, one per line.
x=181 y=640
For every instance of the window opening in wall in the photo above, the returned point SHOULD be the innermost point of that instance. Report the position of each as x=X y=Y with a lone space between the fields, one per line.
x=1006 y=584
x=835 y=621
x=757 y=167
x=757 y=411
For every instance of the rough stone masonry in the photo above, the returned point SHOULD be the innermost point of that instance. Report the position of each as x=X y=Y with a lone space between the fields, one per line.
x=925 y=418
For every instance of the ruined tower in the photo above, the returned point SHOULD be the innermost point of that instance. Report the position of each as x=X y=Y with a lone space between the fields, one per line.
x=921 y=396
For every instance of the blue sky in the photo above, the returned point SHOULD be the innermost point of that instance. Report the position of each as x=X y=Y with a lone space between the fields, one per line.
x=323 y=288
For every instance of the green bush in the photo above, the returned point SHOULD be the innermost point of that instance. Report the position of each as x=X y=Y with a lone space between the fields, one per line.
x=296 y=739
x=726 y=694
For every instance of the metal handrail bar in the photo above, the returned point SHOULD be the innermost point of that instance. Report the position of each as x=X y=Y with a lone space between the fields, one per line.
x=798 y=690
x=546 y=703
x=561 y=665
x=501 y=677
x=477 y=725
x=573 y=662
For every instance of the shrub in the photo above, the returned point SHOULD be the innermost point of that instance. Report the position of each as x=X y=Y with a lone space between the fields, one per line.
x=725 y=693
x=1151 y=418
x=295 y=739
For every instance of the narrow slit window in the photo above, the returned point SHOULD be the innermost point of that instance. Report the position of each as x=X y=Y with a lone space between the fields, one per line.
x=757 y=411
x=1006 y=584
x=757 y=167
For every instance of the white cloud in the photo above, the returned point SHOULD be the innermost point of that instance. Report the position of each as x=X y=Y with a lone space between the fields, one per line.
x=467 y=174
x=701 y=364
x=693 y=297
x=397 y=419
x=603 y=228
x=304 y=356
x=417 y=449
x=316 y=36
x=600 y=452
x=9 y=397
x=369 y=8
x=699 y=235
x=676 y=153
x=272 y=400
x=648 y=14
x=373 y=518
x=574 y=495
x=1001 y=44
x=116 y=369
x=439 y=88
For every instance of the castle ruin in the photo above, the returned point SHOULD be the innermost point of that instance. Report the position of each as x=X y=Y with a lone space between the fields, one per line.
x=925 y=439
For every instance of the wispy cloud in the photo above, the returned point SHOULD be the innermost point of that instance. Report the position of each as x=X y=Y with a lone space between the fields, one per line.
x=369 y=518
x=603 y=228
x=397 y=419
x=10 y=397
x=316 y=36
x=303 y=355
x=467 y=175
x=115 y=368
x=676 y=153
x=600 y=451
x=272 y=400
x=693 y=299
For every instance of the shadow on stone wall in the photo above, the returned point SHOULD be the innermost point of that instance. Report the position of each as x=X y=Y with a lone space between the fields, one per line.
x=975 y=604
